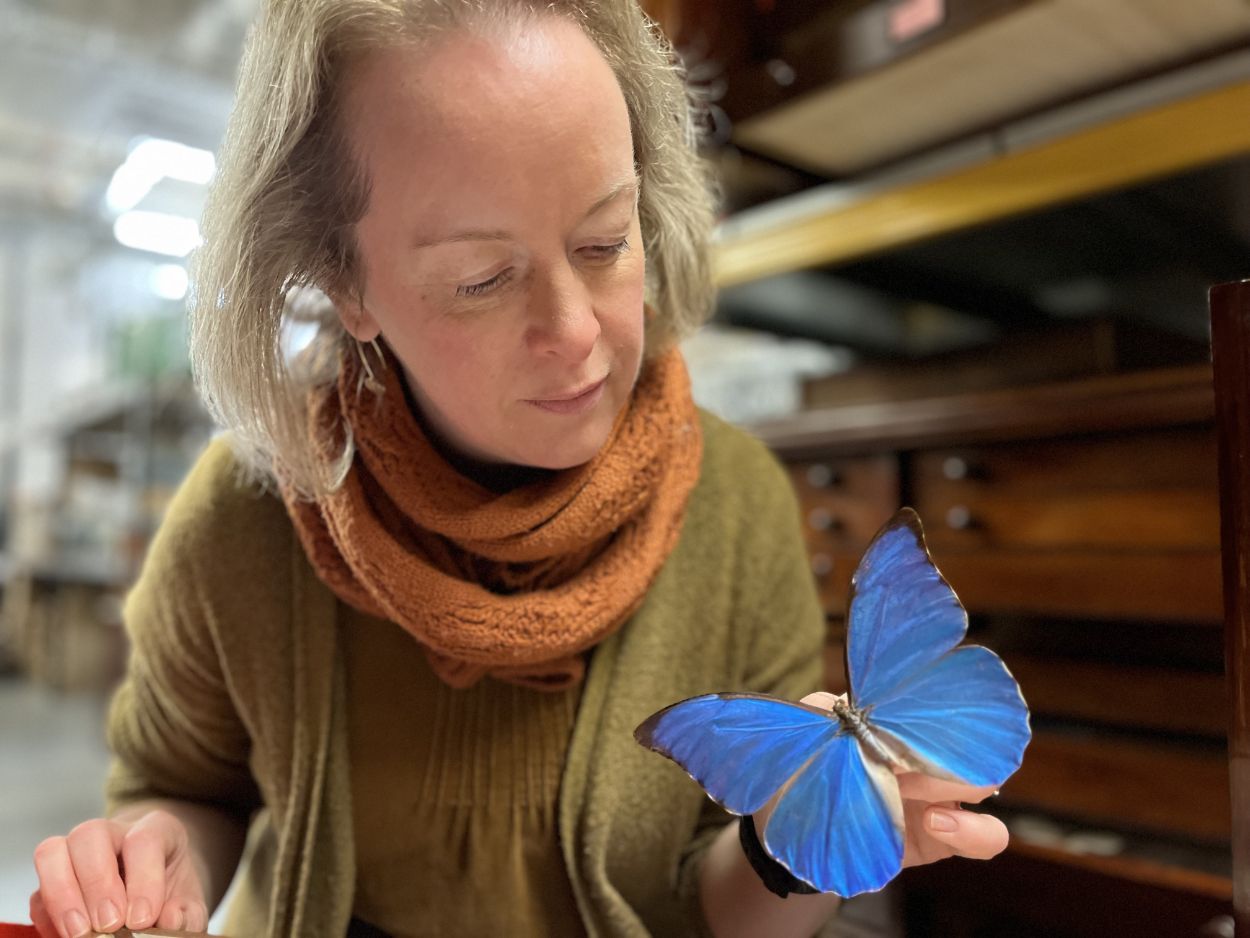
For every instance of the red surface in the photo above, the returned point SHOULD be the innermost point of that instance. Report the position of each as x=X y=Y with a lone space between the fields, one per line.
x=18 y=931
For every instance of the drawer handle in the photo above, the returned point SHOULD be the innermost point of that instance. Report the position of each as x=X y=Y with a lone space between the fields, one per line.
x=959 y=469
x=822 y=565
x=959 y=518
x=821 y=519
x=822 y=476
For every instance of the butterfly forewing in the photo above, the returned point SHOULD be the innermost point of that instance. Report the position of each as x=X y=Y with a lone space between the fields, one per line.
x=903 y=616
x=839 y=824
x=741 y=748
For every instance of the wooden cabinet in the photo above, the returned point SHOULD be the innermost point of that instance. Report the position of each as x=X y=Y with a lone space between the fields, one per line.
x=845 y=500
x=1083 y=536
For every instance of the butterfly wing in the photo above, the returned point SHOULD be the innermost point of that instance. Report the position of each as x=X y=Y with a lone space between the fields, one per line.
x=740 y=747
x=958 y=713
x=839 y=824
x=961 y=718
x=903 y=615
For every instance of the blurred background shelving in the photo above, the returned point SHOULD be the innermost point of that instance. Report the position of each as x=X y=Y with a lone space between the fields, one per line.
x=964 y=250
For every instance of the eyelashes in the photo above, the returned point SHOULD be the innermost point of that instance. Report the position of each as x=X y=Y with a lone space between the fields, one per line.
x=477 y=289
x=598 y=252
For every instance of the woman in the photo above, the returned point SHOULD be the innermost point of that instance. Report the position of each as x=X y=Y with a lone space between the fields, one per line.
x=402 y=622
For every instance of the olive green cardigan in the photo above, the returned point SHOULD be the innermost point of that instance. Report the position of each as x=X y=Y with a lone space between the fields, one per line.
x=235 y=694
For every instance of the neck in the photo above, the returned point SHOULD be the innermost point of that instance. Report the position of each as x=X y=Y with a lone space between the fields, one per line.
x=496 y=477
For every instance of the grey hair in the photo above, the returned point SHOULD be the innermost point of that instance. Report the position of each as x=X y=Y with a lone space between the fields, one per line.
x=279 y=222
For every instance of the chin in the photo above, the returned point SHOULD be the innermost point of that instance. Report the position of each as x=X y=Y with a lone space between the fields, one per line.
x=574 y=450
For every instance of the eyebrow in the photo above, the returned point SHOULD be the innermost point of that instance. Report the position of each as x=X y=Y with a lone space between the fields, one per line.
x=495 y=234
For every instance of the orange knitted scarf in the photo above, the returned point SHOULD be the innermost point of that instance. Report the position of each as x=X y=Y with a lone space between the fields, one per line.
x=516 y=585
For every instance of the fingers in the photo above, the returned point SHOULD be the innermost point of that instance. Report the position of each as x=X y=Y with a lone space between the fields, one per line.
x=143 y=856
x=81 y=887
x=63 y=902
x=39 y=917
x=93 y=853
x=822 y=699
x=913 y=785
x=161 y=886
x=181 y=913
x=968 y=834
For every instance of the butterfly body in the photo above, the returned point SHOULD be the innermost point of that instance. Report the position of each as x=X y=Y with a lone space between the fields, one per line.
x=855 y=722
x=916 y=702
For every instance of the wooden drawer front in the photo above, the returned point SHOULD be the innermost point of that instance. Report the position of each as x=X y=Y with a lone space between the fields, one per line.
x=1150 y=698
x=844 y=502
x=1184 y=586
x=1152 y=786
x=1137 y=492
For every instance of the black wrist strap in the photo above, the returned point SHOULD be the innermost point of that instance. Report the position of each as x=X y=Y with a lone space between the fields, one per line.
x=772 y=874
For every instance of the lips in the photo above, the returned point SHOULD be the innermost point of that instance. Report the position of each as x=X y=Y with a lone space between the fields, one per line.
x=564 y=396
x=577 y=401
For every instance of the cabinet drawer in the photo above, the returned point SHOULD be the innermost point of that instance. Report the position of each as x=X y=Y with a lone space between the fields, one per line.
x=1105 y=779
x=1171 y=700
x=845 y=501
x=1183 y=586
x=1138 y=492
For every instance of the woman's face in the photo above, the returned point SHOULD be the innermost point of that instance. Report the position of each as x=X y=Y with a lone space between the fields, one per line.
x=502 y=255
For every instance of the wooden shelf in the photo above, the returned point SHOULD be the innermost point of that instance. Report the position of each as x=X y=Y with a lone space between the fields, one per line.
x=1159 y=397
x=1173 y=138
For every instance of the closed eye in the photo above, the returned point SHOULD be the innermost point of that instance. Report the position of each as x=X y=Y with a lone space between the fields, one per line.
x=477 y=289
x=598 y=252
x=608 y=251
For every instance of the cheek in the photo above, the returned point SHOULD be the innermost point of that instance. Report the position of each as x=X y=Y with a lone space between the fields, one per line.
x=457 y=370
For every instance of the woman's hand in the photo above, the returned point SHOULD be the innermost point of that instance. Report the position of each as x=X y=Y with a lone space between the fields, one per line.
x=938 y=827
x=137 y=872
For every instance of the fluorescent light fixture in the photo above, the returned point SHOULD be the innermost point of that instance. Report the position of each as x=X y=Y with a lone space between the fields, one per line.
x=150 y=161
x=174 y=235
x=168 y=281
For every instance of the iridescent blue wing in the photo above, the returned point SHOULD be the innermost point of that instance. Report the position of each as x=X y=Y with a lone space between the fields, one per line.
x=740 y=747
x=960 y=718
x=958 y=713
x=903 y=616
x=839 y=824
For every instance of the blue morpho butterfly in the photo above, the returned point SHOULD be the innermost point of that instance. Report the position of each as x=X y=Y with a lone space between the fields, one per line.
x=916 y=703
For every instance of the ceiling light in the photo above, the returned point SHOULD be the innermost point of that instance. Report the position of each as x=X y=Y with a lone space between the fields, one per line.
x=150 y=161
x=174 y=235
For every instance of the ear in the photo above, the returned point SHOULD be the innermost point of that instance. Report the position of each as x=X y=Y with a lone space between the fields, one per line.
x=355 y=317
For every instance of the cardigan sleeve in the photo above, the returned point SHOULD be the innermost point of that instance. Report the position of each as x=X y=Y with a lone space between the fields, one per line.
x=173 y=728
x=783 y=623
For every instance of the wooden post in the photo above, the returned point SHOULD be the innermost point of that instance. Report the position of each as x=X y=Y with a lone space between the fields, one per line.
x=1230 y=353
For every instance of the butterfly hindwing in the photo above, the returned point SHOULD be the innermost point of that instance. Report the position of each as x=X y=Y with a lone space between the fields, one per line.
x=961 y=718
x=839 y=824
x=741 y=748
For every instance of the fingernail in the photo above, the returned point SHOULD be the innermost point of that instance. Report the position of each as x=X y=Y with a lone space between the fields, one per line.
x=941 y=821
x=76 y=924
x=180 y=920
x=139 y=913
x=107 y=916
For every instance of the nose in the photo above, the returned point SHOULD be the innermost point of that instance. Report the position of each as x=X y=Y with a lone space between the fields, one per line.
x=562 y=320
